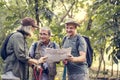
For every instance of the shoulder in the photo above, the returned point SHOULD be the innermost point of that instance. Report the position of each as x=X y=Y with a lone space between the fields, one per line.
x=80 y=37
x=17 y=35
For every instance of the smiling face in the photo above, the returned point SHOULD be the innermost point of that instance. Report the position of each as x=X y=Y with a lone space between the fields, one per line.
x=44 y=36
x=70 y=29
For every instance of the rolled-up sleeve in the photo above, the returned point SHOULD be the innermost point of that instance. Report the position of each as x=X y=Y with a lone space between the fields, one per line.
x=82 y=46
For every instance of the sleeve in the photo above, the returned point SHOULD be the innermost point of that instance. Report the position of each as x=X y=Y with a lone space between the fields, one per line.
x=20 y=49
x=31 y=50
x=82 y=45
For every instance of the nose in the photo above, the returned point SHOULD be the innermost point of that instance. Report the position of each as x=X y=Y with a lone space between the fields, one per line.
x=42 y=36
x=68 y=29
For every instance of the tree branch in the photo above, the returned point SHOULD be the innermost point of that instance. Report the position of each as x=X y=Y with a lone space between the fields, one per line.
x=7 y=6
x=67 y=13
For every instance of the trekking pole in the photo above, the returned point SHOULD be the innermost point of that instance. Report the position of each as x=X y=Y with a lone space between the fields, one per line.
x=64 y=72
x=37 y=73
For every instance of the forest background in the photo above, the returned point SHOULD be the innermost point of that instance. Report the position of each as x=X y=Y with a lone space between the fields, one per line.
x=99 y=20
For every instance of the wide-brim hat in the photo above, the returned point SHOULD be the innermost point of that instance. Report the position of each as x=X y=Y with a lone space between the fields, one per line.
x=29 y=22
x=72 y=21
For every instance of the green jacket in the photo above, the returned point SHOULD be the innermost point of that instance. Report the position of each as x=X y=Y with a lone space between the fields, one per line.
x=17 y=61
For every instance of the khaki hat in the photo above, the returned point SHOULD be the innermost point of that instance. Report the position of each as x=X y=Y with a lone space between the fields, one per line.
x=29 y=22
x=72 y=21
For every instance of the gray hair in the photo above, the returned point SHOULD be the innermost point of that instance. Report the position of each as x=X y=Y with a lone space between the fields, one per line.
x=26 y=29
x=48 y=29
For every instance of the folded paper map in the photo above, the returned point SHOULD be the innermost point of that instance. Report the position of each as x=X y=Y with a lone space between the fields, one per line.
x=55 y=55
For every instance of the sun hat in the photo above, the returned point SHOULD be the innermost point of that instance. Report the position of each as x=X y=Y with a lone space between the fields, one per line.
x=29 y=22
x=72 y=21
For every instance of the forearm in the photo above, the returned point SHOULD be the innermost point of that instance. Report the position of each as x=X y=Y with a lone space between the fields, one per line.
x=79 y=59
x=36 y=62
x=33 y=61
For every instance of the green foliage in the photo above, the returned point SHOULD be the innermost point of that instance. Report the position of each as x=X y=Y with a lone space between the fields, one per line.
x=101 y=25
x=106 y=30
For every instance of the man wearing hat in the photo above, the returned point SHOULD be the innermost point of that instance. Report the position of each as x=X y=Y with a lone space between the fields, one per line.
x=76 y=63
x=16 y=64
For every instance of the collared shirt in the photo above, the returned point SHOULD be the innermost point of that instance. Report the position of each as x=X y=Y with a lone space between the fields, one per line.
x=40 y=51
x=75 y=67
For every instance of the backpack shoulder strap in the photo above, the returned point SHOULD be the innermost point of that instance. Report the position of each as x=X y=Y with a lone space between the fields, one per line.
x=78 y=41
x=34 y=48
x=64 y=38
x=54 y=45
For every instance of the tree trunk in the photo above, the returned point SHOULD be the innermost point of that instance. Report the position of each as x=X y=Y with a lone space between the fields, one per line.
x=112 y=68
x=100 y=62
x=118 y=71
x=89 y=24
x=37 y=15
x=37 y=12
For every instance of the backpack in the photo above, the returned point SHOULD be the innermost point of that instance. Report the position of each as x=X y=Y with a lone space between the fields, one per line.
x=89 y=53
x=3 y=52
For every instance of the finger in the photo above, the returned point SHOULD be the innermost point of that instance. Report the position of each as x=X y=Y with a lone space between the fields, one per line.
x=44 y=58
x=69 y=55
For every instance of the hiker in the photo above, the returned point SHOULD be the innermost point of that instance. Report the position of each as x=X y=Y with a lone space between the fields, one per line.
x=16 y=64
x=77 y=68
x=49 y=69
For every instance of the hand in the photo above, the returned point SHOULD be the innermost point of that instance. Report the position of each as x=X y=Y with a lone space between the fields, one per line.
x=38 y=67
x=42 y=59
x=65 y=61
x=70 y=57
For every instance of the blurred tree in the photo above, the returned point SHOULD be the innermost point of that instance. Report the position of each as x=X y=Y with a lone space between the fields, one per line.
x=99 y=19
